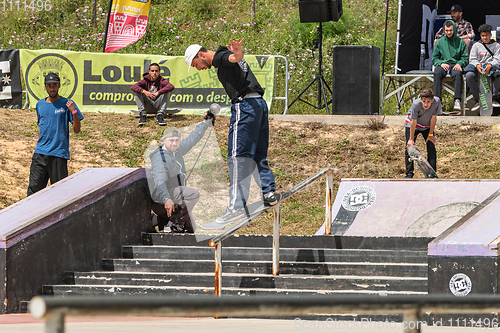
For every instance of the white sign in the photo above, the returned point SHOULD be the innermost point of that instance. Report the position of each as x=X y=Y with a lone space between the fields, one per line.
x=460 y=285
x=359 y=198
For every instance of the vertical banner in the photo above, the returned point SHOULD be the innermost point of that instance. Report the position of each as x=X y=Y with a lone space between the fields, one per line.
x=11 y=92
x=127 y=23
x=417 y=26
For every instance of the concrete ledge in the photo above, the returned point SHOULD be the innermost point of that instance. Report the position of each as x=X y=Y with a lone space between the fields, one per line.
x=360 y=120
x=69 y=226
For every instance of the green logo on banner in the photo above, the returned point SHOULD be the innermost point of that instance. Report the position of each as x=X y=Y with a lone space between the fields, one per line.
x=51 y=63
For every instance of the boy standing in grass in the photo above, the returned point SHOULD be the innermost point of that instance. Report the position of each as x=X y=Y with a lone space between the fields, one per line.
x=50 y=159
x=421 y=119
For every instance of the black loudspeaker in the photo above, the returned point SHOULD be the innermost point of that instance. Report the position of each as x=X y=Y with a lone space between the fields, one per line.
x=320 y=10
x=356 y=79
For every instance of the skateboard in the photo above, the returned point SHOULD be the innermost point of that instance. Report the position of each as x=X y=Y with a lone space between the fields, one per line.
x=171 y=111
x=485 y=98
x=452 y=113
x=424 y=166
x=252 y=211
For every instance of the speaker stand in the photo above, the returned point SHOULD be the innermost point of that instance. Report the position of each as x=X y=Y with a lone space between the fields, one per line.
x=322 y=100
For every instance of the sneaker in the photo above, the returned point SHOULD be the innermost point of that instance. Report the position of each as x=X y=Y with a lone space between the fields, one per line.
x=160 y=120
x=230 y=215
x=142 y=120
x=456 y=105
x=271 y=199
x=475 y=107
x=495 y=104
x=410 y=175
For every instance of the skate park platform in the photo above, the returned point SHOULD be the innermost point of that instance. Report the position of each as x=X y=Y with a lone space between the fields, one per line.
x=68 y=225
x=91 y=215
x=361 y=120
x=458 y=218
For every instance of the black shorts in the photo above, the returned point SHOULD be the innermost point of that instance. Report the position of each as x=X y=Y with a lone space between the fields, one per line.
x=43 y=168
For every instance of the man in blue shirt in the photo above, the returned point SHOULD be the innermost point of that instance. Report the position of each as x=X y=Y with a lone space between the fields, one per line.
x=54 y=113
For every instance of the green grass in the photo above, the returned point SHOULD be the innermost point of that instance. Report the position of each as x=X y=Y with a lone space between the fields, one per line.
x=173 y=25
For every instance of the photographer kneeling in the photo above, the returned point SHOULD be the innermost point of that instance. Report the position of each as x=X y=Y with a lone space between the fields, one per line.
x=173 y=200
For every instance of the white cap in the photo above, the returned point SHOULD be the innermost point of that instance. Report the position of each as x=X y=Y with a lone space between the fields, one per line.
x=190 y=53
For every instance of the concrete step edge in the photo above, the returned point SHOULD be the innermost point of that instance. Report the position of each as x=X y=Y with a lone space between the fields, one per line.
x=242 y=289
x=295 y=276
x=281 y=262
x=281 y=248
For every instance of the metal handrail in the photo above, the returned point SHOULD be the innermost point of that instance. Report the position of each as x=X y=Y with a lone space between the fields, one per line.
x=54 y=309
x=216 y=241
x=287 y=77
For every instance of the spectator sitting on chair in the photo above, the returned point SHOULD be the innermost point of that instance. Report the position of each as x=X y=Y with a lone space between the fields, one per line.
x=487 y=53
x=150 y=94
x=173 y=200
x=421 y=119
x=449 y=57
x=464 y=28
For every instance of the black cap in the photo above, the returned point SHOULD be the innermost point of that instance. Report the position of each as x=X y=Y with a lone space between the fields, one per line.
x=171 y=132
x=455 y=8
x=52 y=78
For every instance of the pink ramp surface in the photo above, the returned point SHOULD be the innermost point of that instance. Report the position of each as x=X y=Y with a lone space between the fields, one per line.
x=22 y=219
x=404 y=208
x=478 y=235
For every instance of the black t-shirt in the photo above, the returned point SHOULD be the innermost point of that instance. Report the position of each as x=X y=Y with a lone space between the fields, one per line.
x=237 y=78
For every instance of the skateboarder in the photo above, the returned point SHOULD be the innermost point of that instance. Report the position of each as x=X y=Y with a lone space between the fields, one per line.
x=248 y=137
x=421 y=119
x=151 y=94
x=485 y=53
x=170 y=194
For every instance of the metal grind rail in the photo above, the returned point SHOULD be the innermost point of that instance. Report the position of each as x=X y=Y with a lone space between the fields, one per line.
x=216 y=242
x=412 y=307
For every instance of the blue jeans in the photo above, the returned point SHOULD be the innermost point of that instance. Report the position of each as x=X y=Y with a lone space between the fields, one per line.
x=248 y=142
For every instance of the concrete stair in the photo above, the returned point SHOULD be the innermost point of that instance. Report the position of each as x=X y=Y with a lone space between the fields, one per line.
x=176 y=265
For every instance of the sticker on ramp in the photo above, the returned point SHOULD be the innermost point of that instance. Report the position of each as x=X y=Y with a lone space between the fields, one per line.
x=460 y=285
x=359 y=198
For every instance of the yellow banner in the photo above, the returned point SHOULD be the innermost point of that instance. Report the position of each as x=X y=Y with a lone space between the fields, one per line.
x=101 y=82
x=130 y=7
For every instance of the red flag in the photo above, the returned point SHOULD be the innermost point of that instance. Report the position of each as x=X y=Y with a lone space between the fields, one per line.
x=127 y=21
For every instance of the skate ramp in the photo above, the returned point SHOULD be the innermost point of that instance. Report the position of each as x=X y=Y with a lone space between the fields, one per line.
x=405 y=208
x=476 y=234
x=70 y=225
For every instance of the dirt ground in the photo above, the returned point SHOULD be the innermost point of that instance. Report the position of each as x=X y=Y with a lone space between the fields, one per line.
x=297 y=150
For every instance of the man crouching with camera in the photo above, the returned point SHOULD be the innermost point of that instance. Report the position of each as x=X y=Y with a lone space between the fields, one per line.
x=173 y=200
